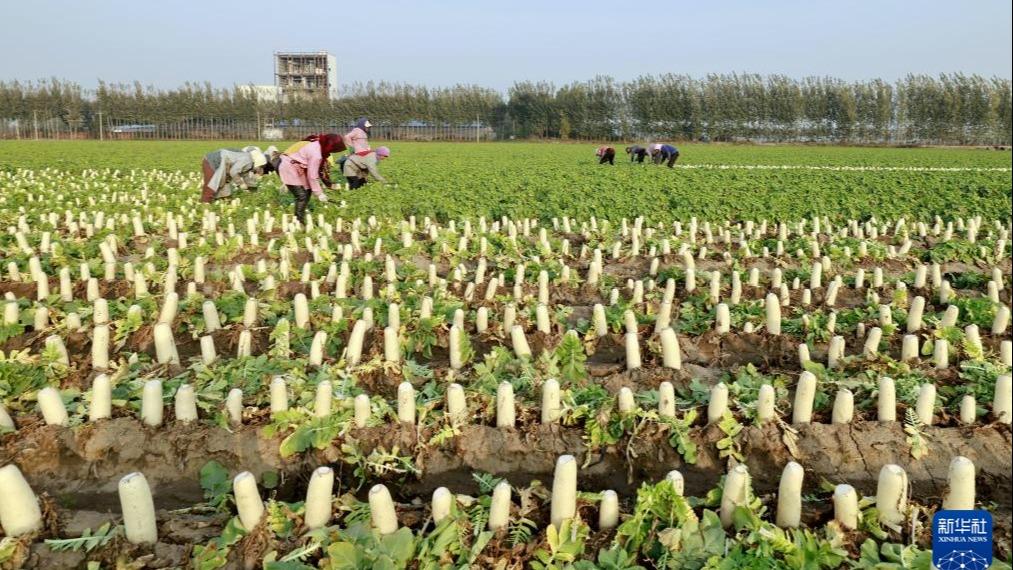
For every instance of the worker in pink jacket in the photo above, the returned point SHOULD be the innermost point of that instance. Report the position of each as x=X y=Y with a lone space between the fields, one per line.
x=300 y=170
x=357 y=139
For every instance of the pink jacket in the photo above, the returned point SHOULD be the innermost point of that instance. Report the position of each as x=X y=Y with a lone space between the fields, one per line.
x=302 y=168
x=357 y=140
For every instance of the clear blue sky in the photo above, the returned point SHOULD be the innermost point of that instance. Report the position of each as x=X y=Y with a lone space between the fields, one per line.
x=167 y=42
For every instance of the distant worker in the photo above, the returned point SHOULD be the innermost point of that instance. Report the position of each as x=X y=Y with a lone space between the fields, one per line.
x=357 y=139
x=358 y=167
x=300 y=170
x=606 y=154
x=637 y=153
x=224 y=169
x=663 y=153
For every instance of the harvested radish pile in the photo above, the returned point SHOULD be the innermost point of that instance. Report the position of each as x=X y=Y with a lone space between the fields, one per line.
x=220 y=387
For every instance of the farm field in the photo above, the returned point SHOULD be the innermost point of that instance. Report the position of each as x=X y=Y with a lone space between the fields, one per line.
x=545 y=180
x=509 y=357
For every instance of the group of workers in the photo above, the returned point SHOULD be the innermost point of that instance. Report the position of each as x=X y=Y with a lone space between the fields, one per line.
x=304 y=167
x=659 y=153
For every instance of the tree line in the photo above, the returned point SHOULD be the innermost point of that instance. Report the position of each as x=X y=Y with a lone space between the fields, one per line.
x=948 y=109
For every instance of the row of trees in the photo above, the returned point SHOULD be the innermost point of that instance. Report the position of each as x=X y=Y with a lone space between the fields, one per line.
x=948 y=109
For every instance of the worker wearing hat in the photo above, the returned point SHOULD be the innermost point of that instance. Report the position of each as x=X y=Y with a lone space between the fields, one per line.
x=225 y=169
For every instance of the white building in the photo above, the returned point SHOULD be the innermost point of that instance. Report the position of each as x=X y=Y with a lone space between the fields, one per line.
x=262 y=93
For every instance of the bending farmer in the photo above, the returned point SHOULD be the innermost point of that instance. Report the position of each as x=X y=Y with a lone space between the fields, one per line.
x=606 y=154
x=325 y=165
x=226 y=168
x=300 y=170
x=665 y=152
x=637 y=153
x=357 y=167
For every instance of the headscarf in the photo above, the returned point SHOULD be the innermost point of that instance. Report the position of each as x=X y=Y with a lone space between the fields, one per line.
x=259 y=160
x=330 y=142
x=364 y=124
x=383 y=152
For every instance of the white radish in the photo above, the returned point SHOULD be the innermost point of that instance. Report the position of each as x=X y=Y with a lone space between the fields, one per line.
x=789 y=496
x=564 y=491
x=844 y=407
x=442 y=502
x=520 y=342
x=165 y=344
x=968 y=409
x=886 y=410
x=353 y=353
x=505 y=411
x=406 y=403
x=909 y=348
x=961 y=492
x=736 y=493
x=456 y=342
x=318 y=348
x=51 y=405
x=891 y=495
x=773 y=314
x=152 y=407
x=185 y=404
x=846 y=506
x=914 y=314
x=765 y=404
x=551 y=406
x=362 y=410
x=19 y=507
x=279 y=395
x=608 y=510
x=234 y=406
x=1002 y=402
x=138 y=507
x=666 y=400
x=678 y=482
x=805 y=393
x=100 y=347
x=248 y=502
x=319 y=495
x=718 y=404
x=457 y=407
x=322 y=398
x=208 y=354
x=671 y=354
x=499 y=508
x=381 y=510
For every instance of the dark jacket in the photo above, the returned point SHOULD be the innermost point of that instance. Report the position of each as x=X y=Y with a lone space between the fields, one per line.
x=636 y=152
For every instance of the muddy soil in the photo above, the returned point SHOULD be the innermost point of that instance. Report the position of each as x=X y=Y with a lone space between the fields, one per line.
x=177 y=532
x=80 y=467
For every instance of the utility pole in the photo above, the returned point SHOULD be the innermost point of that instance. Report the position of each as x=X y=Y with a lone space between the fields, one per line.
x=35 y=124
x=478 y=129
x=101 y=133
